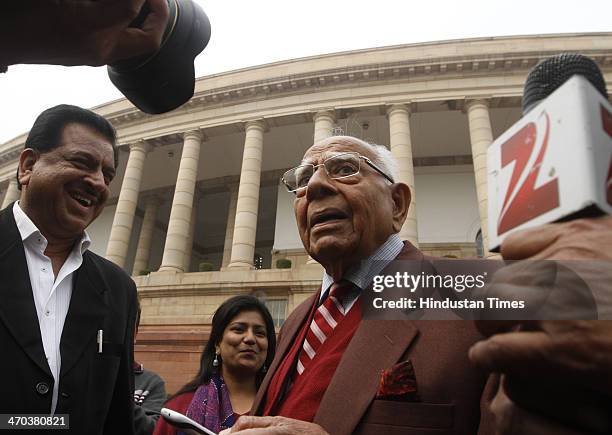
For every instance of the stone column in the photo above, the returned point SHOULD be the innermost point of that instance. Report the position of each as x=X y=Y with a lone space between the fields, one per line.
x=481 y=136
x=401 y=148
x=143 y=251
x=323 y=125
x=175 y=247
x=12 y=193
x=229 y=229
x=121 y=231
x=189 y=247
x=245 y=224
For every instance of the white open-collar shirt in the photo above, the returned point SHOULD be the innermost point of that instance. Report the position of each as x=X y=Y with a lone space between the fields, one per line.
x=51 y=294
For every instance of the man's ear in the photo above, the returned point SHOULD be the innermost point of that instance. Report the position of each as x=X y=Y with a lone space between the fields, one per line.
x=27 y=158
x=400 y=194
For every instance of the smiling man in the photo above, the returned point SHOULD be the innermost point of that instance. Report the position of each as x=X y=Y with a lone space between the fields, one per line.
x=66 y=315
x=334 y=372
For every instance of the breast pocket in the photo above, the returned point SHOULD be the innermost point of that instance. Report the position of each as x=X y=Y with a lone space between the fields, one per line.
x=391 y=418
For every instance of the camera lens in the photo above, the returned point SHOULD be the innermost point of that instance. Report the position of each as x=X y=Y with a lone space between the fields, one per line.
x=164 y=80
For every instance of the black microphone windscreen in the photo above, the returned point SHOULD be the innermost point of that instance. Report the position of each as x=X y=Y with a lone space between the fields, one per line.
x=551 y=73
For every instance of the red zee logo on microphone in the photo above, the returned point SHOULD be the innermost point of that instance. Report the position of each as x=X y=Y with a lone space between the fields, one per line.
x=523 y=201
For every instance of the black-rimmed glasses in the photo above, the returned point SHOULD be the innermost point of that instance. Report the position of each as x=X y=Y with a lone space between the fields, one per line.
x=338 y=166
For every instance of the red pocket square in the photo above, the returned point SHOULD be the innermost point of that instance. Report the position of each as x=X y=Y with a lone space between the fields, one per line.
x=398 y=383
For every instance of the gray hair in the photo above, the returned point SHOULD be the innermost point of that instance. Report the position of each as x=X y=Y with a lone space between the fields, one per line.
x=381 y=155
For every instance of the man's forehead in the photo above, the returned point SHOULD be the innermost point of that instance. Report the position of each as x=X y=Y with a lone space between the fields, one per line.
x=319 y=152
x=82 y=139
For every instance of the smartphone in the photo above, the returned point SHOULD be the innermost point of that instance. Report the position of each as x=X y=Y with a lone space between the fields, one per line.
x=181 y=421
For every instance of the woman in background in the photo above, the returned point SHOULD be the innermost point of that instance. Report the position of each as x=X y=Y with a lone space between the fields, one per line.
x=241 y=347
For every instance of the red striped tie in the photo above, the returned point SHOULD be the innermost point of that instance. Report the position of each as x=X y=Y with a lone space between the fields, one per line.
x=324 y=321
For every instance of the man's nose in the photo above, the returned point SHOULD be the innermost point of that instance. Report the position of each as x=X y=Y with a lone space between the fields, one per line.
x=319 y=184
x=96 y=180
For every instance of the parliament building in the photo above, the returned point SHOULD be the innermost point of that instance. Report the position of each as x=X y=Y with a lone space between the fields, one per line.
x=198 y=213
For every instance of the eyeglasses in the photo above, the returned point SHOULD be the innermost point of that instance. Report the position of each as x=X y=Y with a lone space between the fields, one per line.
x=339 y=166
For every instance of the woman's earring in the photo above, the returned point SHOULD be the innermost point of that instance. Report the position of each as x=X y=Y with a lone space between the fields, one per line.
x=216 y=360
x=264 y=369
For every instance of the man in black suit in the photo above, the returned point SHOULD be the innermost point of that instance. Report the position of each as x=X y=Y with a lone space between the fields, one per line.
x=67 y=315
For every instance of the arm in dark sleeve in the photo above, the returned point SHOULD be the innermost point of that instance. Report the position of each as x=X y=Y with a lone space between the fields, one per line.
x=156 y=397
x=146 y=415
x=120 y=418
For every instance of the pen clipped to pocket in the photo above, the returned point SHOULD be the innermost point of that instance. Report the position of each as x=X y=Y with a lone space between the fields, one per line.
x=107 y=348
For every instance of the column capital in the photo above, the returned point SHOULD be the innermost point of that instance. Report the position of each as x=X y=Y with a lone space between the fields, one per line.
x=140 y=145
x=324 y=113
x=401 y=107
x=469 y=102
x=196 y=133
x=259 y=124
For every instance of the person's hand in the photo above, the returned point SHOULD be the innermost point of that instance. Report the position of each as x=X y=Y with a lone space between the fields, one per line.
x=248 y=425
x=570 y=352
x=580 y=239
x=511 y=419
x=79 y=32
x=576 y=351
x=554 y=367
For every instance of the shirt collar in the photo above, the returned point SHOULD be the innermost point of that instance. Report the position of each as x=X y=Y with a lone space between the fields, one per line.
x=363 y=275
x=27 y=229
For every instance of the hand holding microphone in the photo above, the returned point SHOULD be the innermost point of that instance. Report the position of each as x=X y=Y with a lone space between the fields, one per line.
x=553 y=165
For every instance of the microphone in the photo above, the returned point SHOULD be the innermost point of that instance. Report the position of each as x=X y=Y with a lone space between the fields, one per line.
x=555 y=163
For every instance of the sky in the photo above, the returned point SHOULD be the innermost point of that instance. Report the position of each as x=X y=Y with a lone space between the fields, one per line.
x=248 y=33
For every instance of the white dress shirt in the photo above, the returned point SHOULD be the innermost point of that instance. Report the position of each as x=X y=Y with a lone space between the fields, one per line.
x=363 y=274
x=51 y=294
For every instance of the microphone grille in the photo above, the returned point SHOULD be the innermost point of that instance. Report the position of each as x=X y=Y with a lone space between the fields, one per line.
x=551 y=73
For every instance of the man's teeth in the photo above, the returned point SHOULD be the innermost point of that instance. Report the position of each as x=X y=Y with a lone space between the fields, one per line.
x=83 y=201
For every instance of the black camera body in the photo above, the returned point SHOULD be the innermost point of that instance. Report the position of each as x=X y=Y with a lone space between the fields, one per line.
x=164 y=80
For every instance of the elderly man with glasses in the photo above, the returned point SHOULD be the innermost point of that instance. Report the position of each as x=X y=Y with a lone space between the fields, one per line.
x=333 y=371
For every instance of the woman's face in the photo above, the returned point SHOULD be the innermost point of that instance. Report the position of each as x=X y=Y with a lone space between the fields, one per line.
x=244 y=344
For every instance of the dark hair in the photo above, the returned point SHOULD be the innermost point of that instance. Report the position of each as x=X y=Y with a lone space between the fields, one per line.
x=46 y=133
x=222 y=317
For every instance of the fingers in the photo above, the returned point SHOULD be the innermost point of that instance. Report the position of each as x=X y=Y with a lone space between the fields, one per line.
x=588 y=238
x=490 y=327
x=147 y=39
x=515 y=353
x=250 y=422
x=155 y=23
x=525 y=244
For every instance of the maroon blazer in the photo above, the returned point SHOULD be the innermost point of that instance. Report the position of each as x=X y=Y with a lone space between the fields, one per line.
x=450 y=388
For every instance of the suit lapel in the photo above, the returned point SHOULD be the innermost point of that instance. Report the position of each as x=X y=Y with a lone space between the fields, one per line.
x=376 y=346
x=86 y=314
x=289 y=332
x=17 y=308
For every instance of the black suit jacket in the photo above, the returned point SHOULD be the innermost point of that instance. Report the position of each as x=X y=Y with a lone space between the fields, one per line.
x=95 y=389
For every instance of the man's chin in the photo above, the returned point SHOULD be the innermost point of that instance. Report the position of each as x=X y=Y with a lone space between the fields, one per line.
x=72 y=228
x=330 y=249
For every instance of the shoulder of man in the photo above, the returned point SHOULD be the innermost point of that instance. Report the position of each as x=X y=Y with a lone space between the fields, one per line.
x=108 y=269
x=147 y=378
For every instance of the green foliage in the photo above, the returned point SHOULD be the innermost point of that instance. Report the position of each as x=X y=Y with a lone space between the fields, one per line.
x=283 y=263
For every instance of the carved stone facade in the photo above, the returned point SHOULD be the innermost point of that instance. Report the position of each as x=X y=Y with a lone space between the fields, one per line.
x=197 y=211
